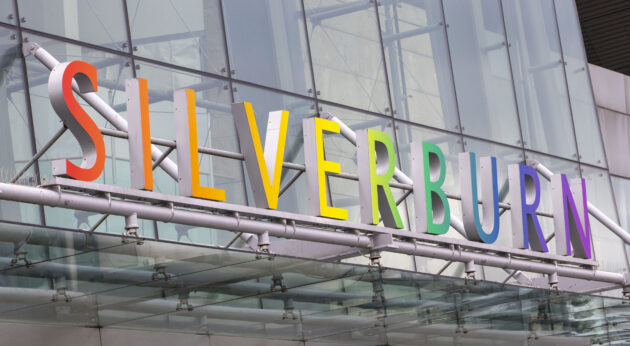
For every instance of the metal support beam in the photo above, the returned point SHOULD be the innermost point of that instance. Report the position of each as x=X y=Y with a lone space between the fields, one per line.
x=31 y=48
x=39 y=154
x=148 y=210
x=592 y=209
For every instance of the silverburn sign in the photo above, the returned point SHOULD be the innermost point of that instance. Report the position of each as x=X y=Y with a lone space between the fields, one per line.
x=376 y=167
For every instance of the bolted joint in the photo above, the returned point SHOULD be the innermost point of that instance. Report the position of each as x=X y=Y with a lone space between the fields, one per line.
x=20 y=252
x=60 y=285
x=470 y=272
x=131 y=227
x=289 y=310
x=626 y=286
x=264 y=242
x=375 y=258
x=553 y=281
x=183 y=302
x=276 y=281
x=160 y=273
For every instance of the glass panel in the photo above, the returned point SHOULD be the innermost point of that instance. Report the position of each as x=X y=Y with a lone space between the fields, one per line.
x=621 y=189
x=7 y=12
x=481 y=69
x=178 y=288
x=541 y=89
x=185 y=33
x=15 y=133
x=580 y=94
x=557 y=166
x=97 y=22
x=608 y=247
x=267 y=43
x=112 y=70
x=418 y=63
x=346 y=53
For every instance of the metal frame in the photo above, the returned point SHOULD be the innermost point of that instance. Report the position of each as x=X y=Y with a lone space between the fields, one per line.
x=304 y=228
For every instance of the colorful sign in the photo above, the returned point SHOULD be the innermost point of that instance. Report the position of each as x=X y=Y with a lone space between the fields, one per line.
x=375 y=160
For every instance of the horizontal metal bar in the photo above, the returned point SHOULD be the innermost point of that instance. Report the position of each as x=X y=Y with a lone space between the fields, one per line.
x=152 y=205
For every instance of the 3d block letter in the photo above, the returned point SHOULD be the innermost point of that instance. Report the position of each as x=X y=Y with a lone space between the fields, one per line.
x=188 y=150
x=264 y=168
x=428 y=169
x=470 y=202
x=569 y=208
x=140 y=162
x=524 y=200
x=376 y=162
x=76 y=119
x=317 y=167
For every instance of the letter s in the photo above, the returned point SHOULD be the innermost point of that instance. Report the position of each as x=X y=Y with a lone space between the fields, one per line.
x=76 y=119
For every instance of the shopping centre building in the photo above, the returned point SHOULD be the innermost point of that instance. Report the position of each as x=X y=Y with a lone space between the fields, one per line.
x=147 y=212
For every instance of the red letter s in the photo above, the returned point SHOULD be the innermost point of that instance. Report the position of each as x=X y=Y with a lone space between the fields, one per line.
x=76 y=119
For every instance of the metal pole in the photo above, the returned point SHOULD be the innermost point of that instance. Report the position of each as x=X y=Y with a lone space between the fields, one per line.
x=39 y=154
x=74 y=201
x=592 y=209
x=97 y=103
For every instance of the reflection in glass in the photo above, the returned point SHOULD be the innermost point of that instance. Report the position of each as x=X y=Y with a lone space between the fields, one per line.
x=346 y=53
x=189 y=33
x=15 y=135
x=267 y=43
x=481 y=70
x=589 y=139
x=97 y=22
x=418 y=63
x=539 y=78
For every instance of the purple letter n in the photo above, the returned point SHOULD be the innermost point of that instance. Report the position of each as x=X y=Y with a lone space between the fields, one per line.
x=569 y=208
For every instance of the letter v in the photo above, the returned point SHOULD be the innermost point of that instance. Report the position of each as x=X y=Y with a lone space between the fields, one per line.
x=264 y=168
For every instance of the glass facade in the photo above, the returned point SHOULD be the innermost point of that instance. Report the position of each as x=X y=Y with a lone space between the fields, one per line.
x=498 y=77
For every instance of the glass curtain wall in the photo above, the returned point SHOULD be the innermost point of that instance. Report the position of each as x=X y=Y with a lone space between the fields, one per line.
x=499 y=77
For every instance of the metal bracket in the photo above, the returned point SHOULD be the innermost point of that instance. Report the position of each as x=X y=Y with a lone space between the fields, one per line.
x=263 y=245
x=19 y=249
x=289 y=308
x=131 y=229
x=553 y=281
x=29 y=48
x=470 y=273
x=277 y=282
x=626 y=287
x=183 y=302
x=383 y=241
x=60 y=285
x=160 y=271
